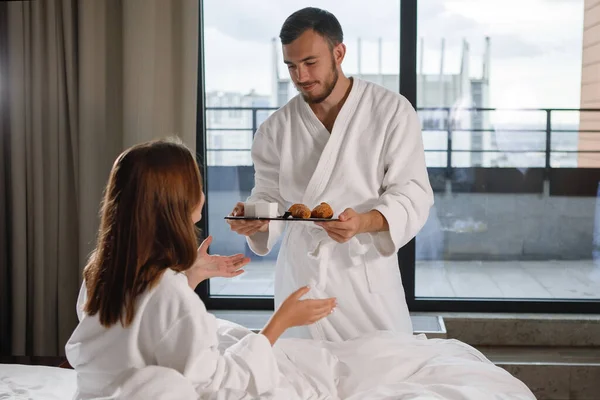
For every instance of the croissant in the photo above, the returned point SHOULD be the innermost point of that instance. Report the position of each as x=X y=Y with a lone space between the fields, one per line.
x=299 y=211
x=323 y=210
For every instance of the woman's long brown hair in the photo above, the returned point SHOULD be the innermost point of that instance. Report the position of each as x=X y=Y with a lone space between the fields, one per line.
x=146 y=227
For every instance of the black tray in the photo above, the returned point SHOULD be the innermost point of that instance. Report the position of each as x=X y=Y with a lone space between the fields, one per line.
x=284 y=217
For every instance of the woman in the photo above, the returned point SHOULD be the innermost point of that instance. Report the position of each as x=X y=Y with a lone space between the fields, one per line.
x=144 y=333
x=139 y=307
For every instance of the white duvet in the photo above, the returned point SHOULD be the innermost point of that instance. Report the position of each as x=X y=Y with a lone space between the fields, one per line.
x=378 y=366
x=383 y=365
x=208 y=358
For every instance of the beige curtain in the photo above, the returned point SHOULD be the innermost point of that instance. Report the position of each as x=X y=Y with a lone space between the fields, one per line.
x=5 y=331
x=80 y=81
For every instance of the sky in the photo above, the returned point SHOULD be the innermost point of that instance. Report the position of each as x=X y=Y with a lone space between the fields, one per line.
x=535 y=44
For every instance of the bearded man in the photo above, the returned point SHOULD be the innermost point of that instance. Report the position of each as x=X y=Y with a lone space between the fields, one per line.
x=358 y=147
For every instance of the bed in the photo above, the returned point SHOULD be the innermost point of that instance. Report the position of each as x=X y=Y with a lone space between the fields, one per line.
x=36 y=382
x=378 y=366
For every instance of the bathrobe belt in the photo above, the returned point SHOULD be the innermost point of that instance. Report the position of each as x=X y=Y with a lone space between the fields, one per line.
x=321 y=247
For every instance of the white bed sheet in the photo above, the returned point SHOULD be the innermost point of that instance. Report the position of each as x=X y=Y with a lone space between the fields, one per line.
x=35 y=382
x=376 y=367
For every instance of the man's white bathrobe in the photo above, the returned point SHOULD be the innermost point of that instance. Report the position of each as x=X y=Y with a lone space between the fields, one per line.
x=372 y=160
x=174 y=349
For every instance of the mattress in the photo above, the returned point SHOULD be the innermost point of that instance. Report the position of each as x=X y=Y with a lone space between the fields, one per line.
x=36 y=382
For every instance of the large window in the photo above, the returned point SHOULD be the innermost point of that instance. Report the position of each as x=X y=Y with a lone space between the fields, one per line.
x=499 y=90
x=507 y=94
x=246 y=79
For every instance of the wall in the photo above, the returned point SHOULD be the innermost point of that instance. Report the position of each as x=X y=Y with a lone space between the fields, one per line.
x=590 y=84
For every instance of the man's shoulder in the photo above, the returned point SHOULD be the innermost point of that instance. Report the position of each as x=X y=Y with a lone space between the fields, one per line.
x=387 y=107
x=379 y=94
x=282 y=114
x=280 y=120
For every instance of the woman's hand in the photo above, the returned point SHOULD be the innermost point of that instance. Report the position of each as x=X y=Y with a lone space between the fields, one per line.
x=296 y=312
x=211 y=266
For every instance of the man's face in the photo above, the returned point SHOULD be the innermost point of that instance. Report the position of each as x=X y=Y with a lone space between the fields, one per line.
x=313 y=65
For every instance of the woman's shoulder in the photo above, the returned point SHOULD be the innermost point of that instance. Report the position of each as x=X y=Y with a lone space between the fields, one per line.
x=172 y=298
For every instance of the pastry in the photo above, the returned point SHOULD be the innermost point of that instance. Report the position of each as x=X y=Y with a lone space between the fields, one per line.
x=323 y=210
x=299 y=211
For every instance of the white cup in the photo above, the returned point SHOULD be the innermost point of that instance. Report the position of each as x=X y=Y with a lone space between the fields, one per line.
x=266 y=210
x=249 y=210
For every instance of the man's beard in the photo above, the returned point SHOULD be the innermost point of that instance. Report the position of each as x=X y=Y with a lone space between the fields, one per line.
x=329 y=86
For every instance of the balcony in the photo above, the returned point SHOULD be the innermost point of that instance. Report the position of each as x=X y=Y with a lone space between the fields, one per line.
x=515 y=215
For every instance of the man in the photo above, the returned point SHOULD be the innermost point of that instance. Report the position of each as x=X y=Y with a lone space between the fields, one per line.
x=357 y=147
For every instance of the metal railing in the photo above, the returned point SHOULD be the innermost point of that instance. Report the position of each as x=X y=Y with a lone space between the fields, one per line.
x=449 y=126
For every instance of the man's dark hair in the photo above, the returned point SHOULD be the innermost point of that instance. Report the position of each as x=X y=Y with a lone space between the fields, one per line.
x=322 y=22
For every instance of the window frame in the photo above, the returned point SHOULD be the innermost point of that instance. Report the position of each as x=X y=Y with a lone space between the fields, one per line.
x=406 y=255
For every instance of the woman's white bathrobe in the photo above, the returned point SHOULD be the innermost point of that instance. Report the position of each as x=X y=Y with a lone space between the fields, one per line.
x=172 y=329
x=174 y=349
x=373 y=160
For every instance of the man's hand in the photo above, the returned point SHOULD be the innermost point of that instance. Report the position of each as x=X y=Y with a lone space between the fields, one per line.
x=211 y=266
x=246 y=227
x=352 y=223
